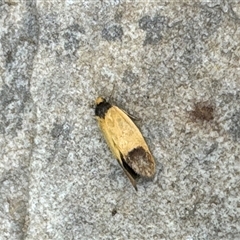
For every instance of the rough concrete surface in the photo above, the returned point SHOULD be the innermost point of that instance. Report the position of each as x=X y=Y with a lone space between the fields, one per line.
x=175 y=65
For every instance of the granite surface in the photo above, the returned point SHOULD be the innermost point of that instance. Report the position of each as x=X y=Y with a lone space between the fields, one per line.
x=173 y=65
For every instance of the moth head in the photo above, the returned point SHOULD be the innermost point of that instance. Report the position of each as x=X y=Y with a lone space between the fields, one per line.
x=100 y=100
x=102 y=107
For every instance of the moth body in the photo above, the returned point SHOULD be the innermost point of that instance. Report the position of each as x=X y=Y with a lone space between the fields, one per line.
x=125 y=141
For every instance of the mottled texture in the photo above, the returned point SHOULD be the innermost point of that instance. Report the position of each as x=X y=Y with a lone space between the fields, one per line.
x=141 y=162
x=156 y=60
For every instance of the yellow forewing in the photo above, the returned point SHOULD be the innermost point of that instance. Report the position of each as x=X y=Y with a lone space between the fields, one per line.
x=120 y=132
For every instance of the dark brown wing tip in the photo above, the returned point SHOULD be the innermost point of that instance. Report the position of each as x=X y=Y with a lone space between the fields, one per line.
x=141 y=162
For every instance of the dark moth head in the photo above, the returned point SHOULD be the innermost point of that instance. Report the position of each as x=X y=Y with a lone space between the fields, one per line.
x=102 y=107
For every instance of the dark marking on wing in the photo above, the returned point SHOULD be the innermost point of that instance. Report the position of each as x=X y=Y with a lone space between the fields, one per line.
x=140 y=161
x=131 y=174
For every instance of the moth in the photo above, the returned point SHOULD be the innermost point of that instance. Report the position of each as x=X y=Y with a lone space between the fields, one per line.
x=125 y=141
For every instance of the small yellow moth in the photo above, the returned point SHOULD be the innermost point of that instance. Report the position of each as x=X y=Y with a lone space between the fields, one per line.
x=125 y=141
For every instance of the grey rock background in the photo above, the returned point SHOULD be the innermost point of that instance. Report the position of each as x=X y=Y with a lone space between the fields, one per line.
x=58 y=180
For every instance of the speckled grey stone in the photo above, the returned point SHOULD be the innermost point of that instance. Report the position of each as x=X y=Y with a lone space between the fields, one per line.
x=156 y=61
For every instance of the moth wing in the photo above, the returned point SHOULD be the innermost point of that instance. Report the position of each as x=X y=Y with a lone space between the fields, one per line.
x=132 y=176
x=129 y=142
x=108 y=137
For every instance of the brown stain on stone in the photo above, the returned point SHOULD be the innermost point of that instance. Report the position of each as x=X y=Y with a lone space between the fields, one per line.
x=202 y=111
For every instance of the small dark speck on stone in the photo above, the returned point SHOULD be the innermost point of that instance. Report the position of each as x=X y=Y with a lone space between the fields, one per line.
x=112 y=32
x=2 y=128
x=9 y=57
x=114 y=212
x=19 y=123
x=235 y=126
x=57 y=130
